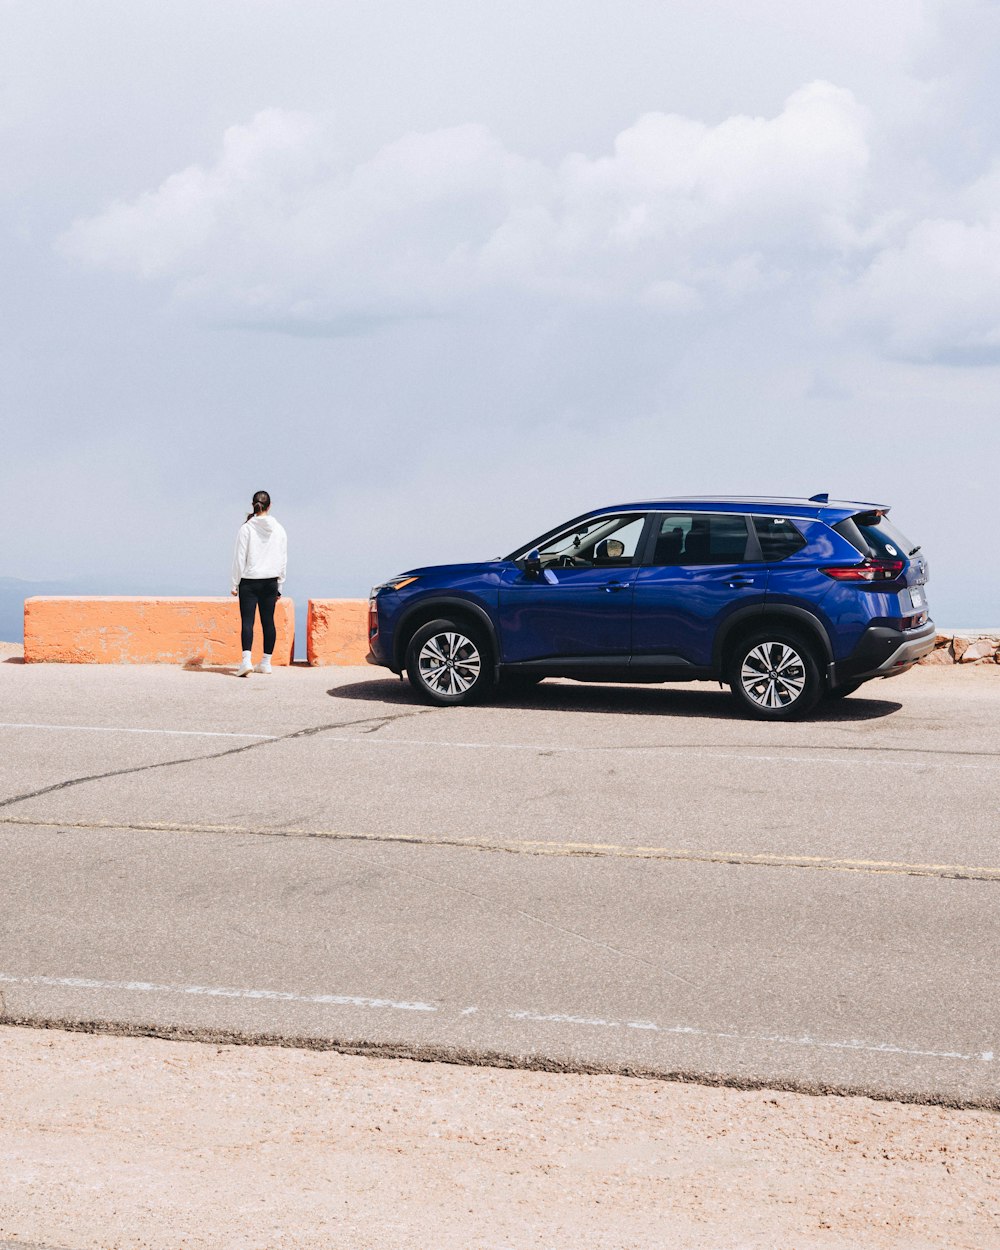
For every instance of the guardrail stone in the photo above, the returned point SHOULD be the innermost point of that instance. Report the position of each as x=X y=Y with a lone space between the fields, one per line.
x=112 y=629
x=337 y=631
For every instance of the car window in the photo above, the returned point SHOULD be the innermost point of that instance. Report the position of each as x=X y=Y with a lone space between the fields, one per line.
x=779 y=538
x=874 y=535
x=598 y=542
x=687 y=538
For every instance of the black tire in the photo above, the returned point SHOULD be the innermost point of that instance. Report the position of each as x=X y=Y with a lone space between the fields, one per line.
x=841 y=692
x=449 y=664
x=790 y=683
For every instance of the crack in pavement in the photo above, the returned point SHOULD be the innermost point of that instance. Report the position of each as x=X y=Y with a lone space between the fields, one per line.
x=520 y=846
x=377 y=722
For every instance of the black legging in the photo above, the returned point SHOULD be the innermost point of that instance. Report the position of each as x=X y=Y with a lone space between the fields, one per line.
x=262 y=593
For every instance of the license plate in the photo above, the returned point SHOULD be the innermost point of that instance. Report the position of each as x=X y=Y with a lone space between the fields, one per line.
x=917 y=599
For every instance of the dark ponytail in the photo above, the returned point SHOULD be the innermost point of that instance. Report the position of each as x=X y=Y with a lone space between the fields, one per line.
x=261 y=503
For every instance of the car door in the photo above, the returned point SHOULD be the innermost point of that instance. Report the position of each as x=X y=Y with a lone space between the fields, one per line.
x=695 y=573
x=578 y=605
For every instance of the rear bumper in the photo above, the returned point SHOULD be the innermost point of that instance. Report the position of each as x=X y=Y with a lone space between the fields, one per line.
x=884 y=652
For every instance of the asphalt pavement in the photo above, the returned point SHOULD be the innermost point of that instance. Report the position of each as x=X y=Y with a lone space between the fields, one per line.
x=630 y=879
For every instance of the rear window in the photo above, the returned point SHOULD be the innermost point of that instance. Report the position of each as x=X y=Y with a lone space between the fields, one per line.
x=778 y=537
x=874 y=535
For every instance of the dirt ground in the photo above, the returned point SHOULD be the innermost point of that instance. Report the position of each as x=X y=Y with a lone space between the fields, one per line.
x=109 y=1143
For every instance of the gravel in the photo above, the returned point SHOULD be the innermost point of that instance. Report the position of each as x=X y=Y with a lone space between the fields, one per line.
x=110 y=1142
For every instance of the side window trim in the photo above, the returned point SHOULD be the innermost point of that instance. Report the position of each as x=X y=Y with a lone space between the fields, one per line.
x=643 y=539
x=754 y=553
x=647 y=540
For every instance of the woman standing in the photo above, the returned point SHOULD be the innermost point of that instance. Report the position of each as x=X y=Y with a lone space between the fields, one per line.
x=258 y=575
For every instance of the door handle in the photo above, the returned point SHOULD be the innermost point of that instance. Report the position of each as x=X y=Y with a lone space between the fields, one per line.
x=612 y=587
x=741 y=581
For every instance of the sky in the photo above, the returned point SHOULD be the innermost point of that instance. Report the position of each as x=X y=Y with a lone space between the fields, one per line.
x=441 y=276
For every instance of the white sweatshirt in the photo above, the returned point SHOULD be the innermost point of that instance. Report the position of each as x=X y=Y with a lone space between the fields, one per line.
x=261 y=550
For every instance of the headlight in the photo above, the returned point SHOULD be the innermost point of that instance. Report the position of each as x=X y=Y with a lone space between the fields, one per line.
x=396 y=583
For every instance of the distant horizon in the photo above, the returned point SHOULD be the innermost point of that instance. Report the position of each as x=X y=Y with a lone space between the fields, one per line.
x=12 y=614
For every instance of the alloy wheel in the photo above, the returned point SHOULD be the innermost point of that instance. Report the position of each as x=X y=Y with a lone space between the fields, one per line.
x=449 y=663
x=773 y=675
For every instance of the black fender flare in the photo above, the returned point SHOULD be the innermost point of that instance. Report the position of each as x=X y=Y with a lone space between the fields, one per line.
x=807 y=622
x=429 y=609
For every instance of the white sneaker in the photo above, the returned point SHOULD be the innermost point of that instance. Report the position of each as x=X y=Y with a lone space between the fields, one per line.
x=263 y=667
x=244 y=668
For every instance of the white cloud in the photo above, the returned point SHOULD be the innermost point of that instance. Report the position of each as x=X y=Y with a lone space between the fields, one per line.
x=936 y=295
x=680 y=218
x=281 y=230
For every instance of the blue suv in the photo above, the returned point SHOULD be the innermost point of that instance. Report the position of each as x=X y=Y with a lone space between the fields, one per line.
x=786 y=600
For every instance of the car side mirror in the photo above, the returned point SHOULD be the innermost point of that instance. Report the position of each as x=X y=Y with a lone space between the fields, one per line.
x=533 y=563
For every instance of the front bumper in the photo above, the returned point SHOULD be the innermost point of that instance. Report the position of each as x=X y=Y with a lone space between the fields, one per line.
x=884 y=652
x=380 y=654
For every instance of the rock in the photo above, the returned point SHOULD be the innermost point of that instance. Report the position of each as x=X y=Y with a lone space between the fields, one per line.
x=942 y=655
x=981 y=649
x=959 y=646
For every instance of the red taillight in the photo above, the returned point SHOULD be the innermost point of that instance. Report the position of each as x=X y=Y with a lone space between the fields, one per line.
x=866 y=571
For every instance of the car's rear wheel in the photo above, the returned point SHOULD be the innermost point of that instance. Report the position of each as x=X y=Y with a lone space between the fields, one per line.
x=773 y=675
x=449 y=664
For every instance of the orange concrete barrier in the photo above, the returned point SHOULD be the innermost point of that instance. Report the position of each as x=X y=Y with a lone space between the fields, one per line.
x=337 y=631
x=110 y=629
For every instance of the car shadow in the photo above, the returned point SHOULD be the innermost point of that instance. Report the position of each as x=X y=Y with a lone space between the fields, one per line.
x=654 y=700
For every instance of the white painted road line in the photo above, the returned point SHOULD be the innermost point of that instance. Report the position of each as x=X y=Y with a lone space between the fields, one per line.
x=118 y=729
x=871 y=758
x=881 y=1048
x=526 y=1017
x=706 y=752
x=217 y=991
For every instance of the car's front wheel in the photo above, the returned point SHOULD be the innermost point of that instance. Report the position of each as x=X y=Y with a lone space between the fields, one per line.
x=449 y=664
x=774 y=676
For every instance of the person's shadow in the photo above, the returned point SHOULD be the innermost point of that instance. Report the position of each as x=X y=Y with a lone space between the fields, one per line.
x=199 y=666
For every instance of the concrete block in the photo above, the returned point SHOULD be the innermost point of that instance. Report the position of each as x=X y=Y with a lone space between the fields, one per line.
x=337 y=631
x=111 y=629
